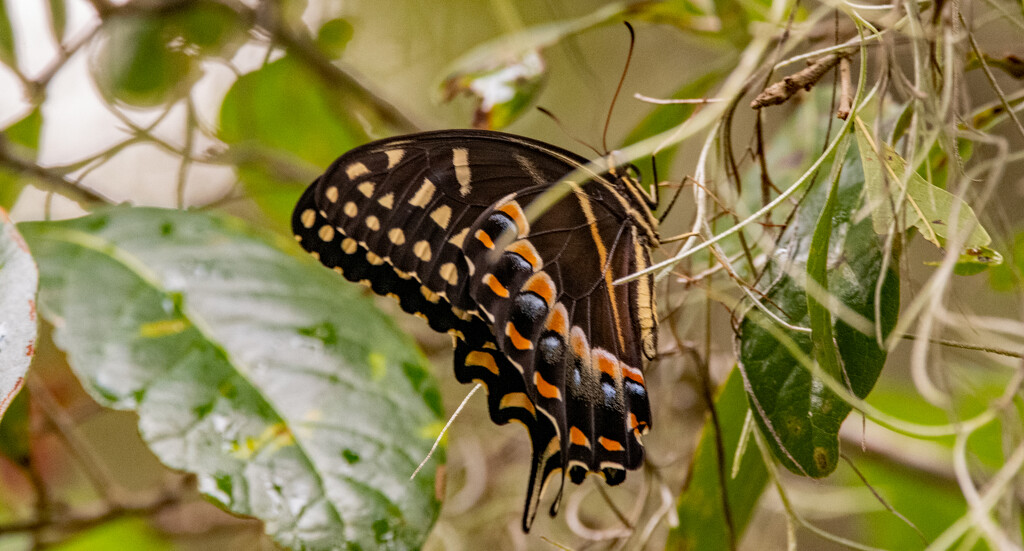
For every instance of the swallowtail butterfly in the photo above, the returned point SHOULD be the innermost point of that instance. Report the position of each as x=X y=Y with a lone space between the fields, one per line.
x=437 y=220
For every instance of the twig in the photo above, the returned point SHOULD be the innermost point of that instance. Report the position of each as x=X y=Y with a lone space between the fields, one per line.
x=845 y=90
x=671 y=101
x=48 y=180
x=881 y=499
x=966 y=346
x=992 y=81
x=784 y=89
x=101 y=478
x=77 y=522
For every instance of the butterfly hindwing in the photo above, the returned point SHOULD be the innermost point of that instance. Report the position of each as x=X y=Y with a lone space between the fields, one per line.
x=438 y=221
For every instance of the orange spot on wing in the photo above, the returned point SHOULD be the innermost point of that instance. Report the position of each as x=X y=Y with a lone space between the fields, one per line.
x=545 y=388
x=495 y=285
x=579 y=343
x=633 y=373
x=477 y=358
x=558 y=320
x=518 y=341
x=517 y=400
x=514 y=212
x=482 y=237
x=577 y=437
x=541 y=284
x=607 y=363
x=609 y=444
x=527 y=251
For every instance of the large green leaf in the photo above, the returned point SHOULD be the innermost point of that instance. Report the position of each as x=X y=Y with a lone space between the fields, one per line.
x=18 y=279
x=799 y=416
x=286 y=126
x=702 y=523
x=280 y=386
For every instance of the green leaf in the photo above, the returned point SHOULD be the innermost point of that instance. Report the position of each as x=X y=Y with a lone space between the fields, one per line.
x=135 y=63
x=701 y=514
x=503 y=91
x=8 y=54
x=288 y=394
x=927 y=207
x=818 y=315
x=333 y=37
x=798 y=415
x=23 y=134
x=151 y=59
x=18 y=280
x=131 y=532
x=212 y=28
x=506 y=74
x=974 y=261
x=285 y=126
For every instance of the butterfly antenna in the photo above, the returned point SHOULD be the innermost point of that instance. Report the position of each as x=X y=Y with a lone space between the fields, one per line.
x=622 y=79
x=566 y=132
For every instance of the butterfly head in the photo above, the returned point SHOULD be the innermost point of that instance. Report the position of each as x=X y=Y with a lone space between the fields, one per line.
x=626 y=177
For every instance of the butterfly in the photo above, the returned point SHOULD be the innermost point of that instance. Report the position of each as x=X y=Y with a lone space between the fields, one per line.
x=438 y=221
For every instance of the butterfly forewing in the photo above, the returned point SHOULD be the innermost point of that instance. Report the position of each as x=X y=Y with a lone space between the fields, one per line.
x=437 y=220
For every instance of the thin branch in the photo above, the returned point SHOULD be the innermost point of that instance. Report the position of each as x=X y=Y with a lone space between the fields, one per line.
x=845 y=90
x=100 y=477
x=49 y=180
x=784 y=89
x=77 y=521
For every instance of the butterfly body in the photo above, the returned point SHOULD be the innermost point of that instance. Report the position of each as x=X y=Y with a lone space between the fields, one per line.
x=439 y=221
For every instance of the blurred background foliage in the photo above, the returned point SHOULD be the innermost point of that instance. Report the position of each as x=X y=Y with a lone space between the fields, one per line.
x=234 y=106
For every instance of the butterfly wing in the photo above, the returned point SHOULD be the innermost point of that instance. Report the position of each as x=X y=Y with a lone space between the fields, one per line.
x=437 y=220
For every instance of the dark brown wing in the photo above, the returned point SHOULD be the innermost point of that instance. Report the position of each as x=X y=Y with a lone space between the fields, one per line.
x=559 y=348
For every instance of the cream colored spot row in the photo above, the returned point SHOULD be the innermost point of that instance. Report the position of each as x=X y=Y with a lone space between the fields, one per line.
x=422 y=250
x=387 y=200
x=460 y=237
x=372 y=222
x=349 y=245
x=366 y=188
x=450 y=273
x=356 y=170
x=374 y=258
x=332 y=194
x=396 y=235
x=460 y=158
x=308 y=218
x=442 y=215
x=326 y=233
x=423 y=195
x=350 y=209
x=394 y=156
